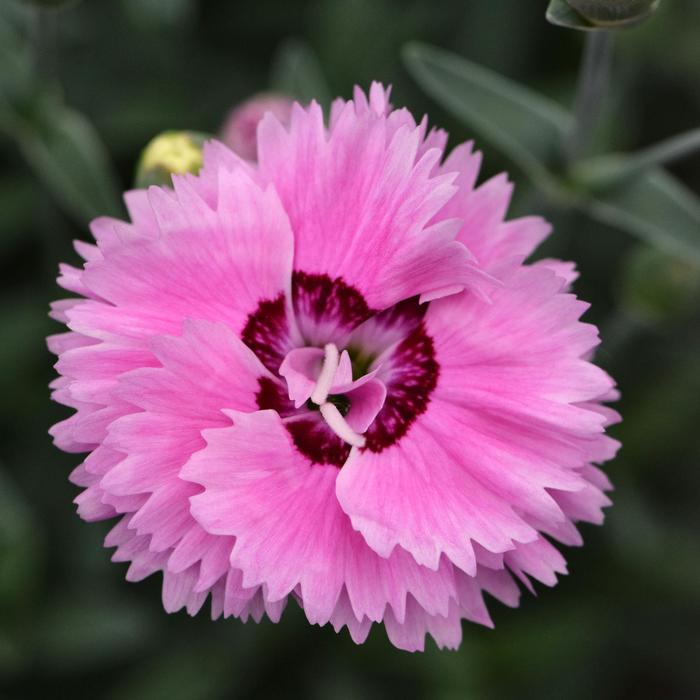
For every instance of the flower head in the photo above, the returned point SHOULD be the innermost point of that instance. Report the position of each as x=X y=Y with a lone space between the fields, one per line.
x=331 y=376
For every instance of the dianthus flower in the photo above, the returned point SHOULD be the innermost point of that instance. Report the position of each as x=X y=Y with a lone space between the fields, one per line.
x=330 y=375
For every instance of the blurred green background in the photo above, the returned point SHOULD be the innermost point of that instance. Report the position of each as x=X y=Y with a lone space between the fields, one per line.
x=624 y=624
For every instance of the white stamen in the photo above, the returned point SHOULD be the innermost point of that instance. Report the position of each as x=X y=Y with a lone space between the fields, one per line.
x=339 y=425
x=325 y=379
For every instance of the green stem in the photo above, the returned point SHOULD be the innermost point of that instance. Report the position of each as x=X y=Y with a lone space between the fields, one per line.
x=604 y=171
x=593 y=81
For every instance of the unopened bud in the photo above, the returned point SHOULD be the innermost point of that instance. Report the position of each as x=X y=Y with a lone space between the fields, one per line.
x=614 y=13
x=239 y=132
x=170 y=153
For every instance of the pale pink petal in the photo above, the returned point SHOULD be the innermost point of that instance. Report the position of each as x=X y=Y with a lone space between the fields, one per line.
x=297 y=536
x=301 y=368
x=538 y=559
x=155 y=285
x=482 y=211
x=414 y=495
x=565 y=270
x=366 y=401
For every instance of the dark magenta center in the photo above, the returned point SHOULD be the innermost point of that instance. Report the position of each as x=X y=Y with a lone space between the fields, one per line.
x=327 y=310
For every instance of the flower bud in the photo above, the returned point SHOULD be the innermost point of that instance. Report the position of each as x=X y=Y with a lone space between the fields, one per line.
x=172 y=152
x=239 y=132
x=614 y=13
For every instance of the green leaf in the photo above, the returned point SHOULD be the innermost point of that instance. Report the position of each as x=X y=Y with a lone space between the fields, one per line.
x=562 y=14
x=655 y=207
x=297 y=72
x=66 y=153
x=527 y=127
x=530 y=129
x=604 y=171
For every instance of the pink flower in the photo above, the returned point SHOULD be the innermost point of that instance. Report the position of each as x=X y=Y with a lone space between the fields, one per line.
x=331 y=376
x=239 y=132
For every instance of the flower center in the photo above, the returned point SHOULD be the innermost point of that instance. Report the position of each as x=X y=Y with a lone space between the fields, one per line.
x=326 y=410
x=329 y=409
x=340 y=401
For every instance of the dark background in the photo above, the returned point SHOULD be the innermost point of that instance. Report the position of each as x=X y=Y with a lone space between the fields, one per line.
x=624 y=624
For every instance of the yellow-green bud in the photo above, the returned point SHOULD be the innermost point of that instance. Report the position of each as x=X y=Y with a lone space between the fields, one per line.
x=170 y=153
x=614 y=13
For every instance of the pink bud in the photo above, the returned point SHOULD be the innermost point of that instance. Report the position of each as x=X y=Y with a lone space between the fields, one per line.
x=239 y=132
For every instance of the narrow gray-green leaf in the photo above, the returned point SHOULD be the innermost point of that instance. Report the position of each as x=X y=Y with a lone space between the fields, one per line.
x=559 y=12
x=66 y=153
x=297 y=72
x=656 y=208
x=604 y=171
x=527 y=127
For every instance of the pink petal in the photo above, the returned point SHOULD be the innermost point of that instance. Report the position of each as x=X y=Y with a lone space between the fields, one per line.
x=366 y=400
x=211 y=264
x=368 y=225
x=301 y=368
x=290 y=531
x=481 y=212
x=415 y=495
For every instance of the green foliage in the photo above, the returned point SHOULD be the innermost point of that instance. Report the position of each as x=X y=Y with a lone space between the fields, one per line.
x=297 y=72
x=654 y=207
x=526 y=126
x=605 y=171
x=66 y=153
x=531 y=131
x=60 y=144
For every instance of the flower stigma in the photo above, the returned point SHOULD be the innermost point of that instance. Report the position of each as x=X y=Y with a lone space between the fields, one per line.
x=325 y=379
x=331 y=408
